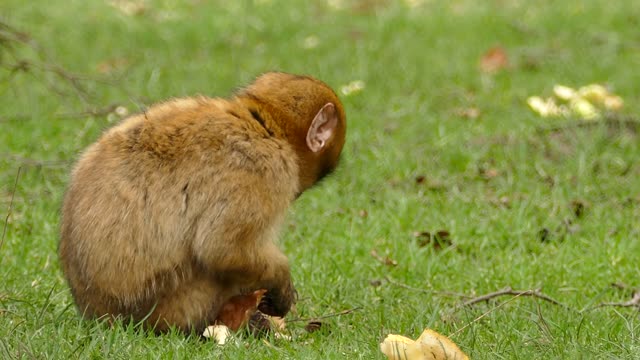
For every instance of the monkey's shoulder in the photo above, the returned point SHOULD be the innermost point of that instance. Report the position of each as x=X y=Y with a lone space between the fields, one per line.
x=197 y=135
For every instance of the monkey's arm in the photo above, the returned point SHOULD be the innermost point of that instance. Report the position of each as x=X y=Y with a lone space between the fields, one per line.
x=235 y=234
x=242 y=267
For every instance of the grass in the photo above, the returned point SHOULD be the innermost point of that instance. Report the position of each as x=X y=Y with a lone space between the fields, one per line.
x=412 y=163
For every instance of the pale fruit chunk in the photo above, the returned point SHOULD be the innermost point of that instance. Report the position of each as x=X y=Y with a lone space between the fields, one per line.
x=429 y=346
x=219 y=333
x=242 y=311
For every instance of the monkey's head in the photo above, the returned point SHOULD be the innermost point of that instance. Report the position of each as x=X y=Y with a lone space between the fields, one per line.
x=308 y=114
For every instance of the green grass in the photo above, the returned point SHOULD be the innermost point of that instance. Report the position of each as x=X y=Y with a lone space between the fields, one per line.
x=494 y=182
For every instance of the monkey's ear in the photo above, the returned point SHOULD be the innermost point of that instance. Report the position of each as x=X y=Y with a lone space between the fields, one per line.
x=322 y=127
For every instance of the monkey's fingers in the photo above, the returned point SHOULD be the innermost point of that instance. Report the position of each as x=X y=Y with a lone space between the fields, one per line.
x=278 y=302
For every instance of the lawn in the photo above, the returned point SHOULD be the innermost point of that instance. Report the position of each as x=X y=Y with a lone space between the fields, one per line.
x=449 y=188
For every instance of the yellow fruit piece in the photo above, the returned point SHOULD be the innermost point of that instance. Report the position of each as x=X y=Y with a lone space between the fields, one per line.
x=584 y=109
x=440 y=346
x=398 y=347
x=564 y=92
x=595 y=93
x=613 y=102
x=545 y=108
x=219 y=333
x=429 y=346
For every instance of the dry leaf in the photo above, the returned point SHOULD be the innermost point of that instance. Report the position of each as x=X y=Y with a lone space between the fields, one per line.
x=494 y=60
x=439 y=240
x=129 y=7
x=313 y=326
x=112 y=65
x=578 y=207
x=490 y=173
x=261 y=323
x=386 y=260
x=469 y=113
x=429 y=346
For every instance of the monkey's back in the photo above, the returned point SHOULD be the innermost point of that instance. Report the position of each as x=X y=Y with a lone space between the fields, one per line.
x=161 y=188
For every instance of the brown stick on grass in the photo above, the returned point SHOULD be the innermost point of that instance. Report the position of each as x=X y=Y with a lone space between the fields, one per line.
x=537 y=293
x=634 y=302
x=6 y=219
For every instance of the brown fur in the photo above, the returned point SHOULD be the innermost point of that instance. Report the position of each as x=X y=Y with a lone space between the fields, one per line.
x=175 y=211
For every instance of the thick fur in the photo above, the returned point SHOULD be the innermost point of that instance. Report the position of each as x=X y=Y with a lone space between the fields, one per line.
x=176 y=210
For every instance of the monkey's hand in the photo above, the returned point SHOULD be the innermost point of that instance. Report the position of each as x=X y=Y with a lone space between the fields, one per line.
x=278 y=301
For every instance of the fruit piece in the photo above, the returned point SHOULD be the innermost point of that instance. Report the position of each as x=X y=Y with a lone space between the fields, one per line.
x=584 y=109
x=429 y=346
x=439 y=346
x=564 y=92
x=613 y=102
x=545 y=108
x=398 y=347
x=594 y=93
x=240 y=311
x=219 y=333
x=236 y=312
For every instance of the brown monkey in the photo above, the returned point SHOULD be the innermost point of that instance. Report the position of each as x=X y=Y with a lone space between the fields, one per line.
x=174 y=212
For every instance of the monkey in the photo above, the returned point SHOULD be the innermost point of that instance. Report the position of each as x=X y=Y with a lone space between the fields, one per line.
x=175 y=211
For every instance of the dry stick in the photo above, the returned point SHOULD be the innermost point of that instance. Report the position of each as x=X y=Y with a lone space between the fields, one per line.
x=91 y=112
x=6 y=220
x=485 y=314
x=343 y=312
x=506 y=291
x=634 y=302
x=34 y=162
x=8 y=33
x=509 y=291
x=629 y=122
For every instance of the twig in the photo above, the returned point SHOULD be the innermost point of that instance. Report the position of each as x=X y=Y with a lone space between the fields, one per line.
x=383 y=260
x=6 y=219
x=7 y=32
x=634 y=302
x=34 y=162
x=91 y=112
x=611 y=121
x=405 y=286
x=485 y=314
x=619 y=285
x=509 y=291
x=343 y=312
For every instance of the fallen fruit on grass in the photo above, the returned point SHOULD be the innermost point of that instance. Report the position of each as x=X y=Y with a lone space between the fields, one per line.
x=237 y=312
x=587 y=102
x=241 y=311
x=429 y=346
x=219 y=333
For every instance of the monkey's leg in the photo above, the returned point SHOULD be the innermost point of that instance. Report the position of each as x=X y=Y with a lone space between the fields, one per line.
x=192 y=306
